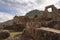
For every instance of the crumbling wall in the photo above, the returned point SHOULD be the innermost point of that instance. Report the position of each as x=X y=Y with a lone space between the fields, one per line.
x=20 y=20
x=54 y=13
x=19 y=23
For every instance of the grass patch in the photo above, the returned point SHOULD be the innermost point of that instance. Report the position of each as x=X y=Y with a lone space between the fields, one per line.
x=12 y=34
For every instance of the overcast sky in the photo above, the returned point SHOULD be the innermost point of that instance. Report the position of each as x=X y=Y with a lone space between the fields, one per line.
x=10 y=8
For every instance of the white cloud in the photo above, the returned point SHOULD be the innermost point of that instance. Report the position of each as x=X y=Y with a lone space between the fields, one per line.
x=5 y=17
x=23 y=6
x=58 y=4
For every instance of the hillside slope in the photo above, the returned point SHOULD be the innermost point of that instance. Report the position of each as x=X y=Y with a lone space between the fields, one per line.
x=32 y=13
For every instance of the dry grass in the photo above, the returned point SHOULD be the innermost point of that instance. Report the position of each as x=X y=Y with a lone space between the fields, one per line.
x=12 y=34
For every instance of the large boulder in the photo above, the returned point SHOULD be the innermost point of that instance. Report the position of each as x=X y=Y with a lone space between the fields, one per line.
x=4 y=34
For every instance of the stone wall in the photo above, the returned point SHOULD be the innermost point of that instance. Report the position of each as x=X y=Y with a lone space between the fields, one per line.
x=55 y=15
x=47 y=34
x=42 y=33
x=20 y=20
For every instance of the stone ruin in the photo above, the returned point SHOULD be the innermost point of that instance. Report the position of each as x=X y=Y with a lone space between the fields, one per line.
x=19 y=23
x=48 y=19
x=41 y=33
x=55 y=15
x=20 y=20
x=46 y=27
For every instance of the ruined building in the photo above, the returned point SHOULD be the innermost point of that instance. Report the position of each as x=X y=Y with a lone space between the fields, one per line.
x=43 y=26
x=47 y=19
x=55 y=15
x=47 y=27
